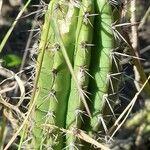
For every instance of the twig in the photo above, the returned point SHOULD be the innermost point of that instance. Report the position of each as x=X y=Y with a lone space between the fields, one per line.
x=13 y=26
x=134 y=40
x=1 y=4
x=27 y=46
x=9 y=87
x=126 y=111
x=144 y=19
x=134 y=31
x=11 y=75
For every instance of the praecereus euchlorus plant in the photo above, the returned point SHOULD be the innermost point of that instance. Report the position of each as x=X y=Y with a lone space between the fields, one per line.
x=74 y=85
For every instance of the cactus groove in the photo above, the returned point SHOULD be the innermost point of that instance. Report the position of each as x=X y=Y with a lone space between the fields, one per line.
x=74 y=65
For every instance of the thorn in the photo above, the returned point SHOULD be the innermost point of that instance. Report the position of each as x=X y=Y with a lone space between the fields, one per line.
x=86 y=17
x=51 y=93
x=50 y=114
x=105 y=97
x=79 y=113
x=71 y=146
x=85 y=70
x=55 y=47
x=85 y=45
x=76 y=3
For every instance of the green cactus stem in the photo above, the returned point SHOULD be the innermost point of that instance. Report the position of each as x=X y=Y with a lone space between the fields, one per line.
x=101 y=64
x=81 y=64
x=53 y=101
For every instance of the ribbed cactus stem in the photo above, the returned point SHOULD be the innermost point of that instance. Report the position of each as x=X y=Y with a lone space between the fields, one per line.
x=82 y=56
x=73 y=68
x=43 y=64
x=53 y=104
x=101 y=63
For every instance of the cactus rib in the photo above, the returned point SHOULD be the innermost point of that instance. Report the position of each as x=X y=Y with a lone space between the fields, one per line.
x=81 y=65
x=101 y=62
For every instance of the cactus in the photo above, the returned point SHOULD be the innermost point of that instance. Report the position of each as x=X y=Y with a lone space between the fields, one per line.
x=71 y=64
x=82 y=56
x=101 y=64
x=77 y=79
x=52 y=95
x=43 y=64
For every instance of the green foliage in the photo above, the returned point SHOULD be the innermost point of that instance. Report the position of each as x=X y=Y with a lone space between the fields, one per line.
x=11 y=60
